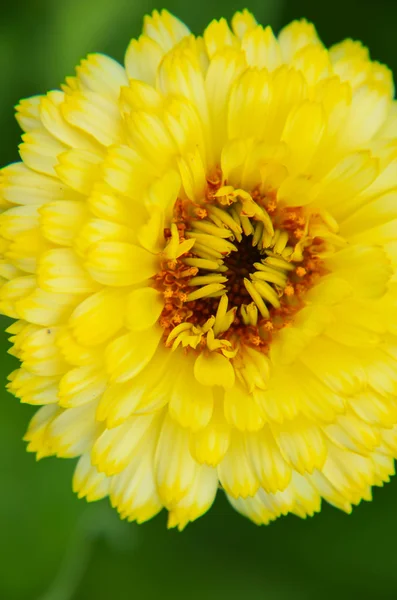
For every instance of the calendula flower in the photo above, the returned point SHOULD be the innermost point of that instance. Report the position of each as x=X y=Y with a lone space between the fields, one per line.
x=200 y=249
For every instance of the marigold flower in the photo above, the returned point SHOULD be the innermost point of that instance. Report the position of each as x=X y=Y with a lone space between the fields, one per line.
x=200 y=253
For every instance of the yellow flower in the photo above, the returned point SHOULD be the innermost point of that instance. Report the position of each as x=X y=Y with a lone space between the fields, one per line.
x=200 y=253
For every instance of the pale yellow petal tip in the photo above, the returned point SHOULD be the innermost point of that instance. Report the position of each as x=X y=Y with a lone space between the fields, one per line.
x=171 y=494
x=178 y=521
x=300 y=27
x=142 y=514
x=39 y=448
x=164 y=28
x=243 y=22
x=90 y=494
x=28 y=113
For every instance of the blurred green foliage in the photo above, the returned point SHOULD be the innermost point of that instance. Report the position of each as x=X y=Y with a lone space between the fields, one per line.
x=55 y=547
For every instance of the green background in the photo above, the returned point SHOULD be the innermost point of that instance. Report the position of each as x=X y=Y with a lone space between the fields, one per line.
x=55 y=547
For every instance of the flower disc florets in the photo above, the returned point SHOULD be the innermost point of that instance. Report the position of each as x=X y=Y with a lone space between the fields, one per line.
x=199 y=250
x=246 y=273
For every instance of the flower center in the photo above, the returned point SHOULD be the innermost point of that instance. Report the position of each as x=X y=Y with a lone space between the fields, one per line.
x=240 y=265
x=242 y=253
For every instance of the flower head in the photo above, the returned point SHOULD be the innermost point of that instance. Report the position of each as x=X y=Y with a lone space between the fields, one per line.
x=200 y=253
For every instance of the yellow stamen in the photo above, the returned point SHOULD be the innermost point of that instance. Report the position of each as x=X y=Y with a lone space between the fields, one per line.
x=256 y=298
x=267 y=292
x=204 y=279
x=205 y=291
x=203 y=263
x=212 y=229
x=270 y=275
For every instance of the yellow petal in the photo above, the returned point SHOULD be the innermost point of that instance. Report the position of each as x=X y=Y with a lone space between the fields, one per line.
x=90 y=321
x=142 y=59
x=40 y=354
x=79 y=169
x=128 y=172
x=114 y=448
x=143 y=309
x=120 y=264
x=33 y=389
x=61 y=271
x=191 y=403
x=73 y=431
x=55 y=123
x=127 y=355
x=198 y=500
x=95 y=115
x=224 y=69
x=235 y=472
x=101 y=74
x=133 y=491
x=21 y=185
x=302 y=133
x=295 y=36
x=218 y=36
x=350 y=433
x=272 y=470
x=243 y=22
x=261 y=48
x=75 y=353
x=175 y=469
x=301 y=444
x=61 y=221
x=343 y=371
x=164 y=28
x=214 y=369
x=366 y=268
x=44 y=307
x=88 y=482
x=40 y=151
x=80 y=386
x=241 y=409
x=139 y=96
x=28 y=113
x=37 y=433
x=145 y=393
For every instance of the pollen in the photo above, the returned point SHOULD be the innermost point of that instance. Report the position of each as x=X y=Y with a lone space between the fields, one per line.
x=289 y=290
x=201 y=212
x=298 y=233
